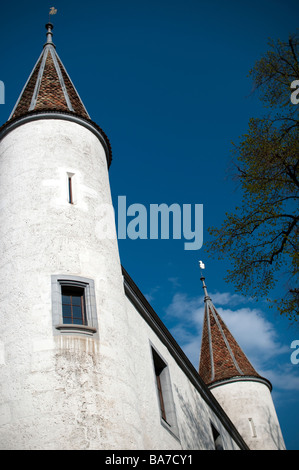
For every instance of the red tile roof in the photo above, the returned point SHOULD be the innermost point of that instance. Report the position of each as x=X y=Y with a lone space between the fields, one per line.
x=221 y=356
x=49 y=88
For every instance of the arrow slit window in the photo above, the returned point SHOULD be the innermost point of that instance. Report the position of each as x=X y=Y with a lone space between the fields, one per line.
x=70 y=188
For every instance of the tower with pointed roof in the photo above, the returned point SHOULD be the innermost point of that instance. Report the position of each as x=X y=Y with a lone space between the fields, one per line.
x=241 y=391
x=60 y=274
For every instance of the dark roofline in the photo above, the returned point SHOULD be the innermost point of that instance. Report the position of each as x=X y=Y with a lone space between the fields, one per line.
x=56 y=114
x=150 y=316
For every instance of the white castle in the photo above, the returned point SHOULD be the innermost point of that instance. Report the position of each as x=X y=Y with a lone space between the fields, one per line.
x=85 y=362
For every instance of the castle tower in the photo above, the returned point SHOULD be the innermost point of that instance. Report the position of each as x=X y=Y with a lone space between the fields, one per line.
x=244 y=395
x=85 y=362
x=61 y=276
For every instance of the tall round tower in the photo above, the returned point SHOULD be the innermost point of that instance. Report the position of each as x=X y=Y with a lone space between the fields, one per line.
x=243 y=394
x=63 y=345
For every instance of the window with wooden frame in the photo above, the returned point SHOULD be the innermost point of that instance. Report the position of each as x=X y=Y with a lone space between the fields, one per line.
x=73 y=305
x=159 y=366
x=164 y=394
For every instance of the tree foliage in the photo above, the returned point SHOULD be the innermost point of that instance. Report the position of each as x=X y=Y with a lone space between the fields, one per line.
x=261 y=236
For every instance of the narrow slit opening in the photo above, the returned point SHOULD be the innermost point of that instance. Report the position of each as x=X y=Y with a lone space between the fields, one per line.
x=70 y=190
x=252 y=427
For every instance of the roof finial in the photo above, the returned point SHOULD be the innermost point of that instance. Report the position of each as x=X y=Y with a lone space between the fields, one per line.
x=49 y=27
x=202 y=278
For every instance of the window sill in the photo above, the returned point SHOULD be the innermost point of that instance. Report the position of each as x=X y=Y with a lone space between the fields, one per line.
x=76 y=329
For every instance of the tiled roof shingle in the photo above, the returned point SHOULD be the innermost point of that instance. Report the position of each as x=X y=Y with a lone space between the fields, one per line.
x=221 y=357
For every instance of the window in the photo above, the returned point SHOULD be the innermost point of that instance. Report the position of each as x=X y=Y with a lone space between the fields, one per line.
x=252 y=427
x=159 y=366
x=217 y=439
x=74 y=305
x=70 y=188
x=73 y=308
x=164 y=393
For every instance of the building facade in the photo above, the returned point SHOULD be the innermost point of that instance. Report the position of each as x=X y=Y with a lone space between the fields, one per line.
x=85 y=362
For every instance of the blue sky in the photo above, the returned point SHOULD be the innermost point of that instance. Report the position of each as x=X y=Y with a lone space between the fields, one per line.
x=168 y=82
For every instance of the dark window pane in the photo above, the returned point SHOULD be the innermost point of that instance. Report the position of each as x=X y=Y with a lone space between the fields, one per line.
x=77 y=312
x=76 y=300
x=66 y=299
x=66 y=309
x=73 y=305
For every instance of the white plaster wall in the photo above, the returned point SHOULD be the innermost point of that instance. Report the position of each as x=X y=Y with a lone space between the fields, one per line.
x=194 y=416
x=72 y=392
x=60 y=392
x=248 y=400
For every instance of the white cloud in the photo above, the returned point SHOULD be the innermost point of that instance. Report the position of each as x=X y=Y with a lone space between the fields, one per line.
x=226 y=298
x=174 y=281
x=185 y=308
x=255 y=334
x=150 y=296
x=284 y=375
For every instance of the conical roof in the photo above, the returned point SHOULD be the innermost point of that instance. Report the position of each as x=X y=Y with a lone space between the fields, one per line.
x=49 y=92
x=222 y=359
x=49 y=86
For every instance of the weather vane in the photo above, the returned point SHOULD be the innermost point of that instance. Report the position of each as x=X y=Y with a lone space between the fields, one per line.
x=52 y=11
x=201 y=265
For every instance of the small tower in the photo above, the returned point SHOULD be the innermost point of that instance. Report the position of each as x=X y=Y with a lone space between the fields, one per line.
x=244 y=395
x=64 y=353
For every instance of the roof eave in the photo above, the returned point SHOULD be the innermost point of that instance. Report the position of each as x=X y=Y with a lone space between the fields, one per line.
x=240 y=378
